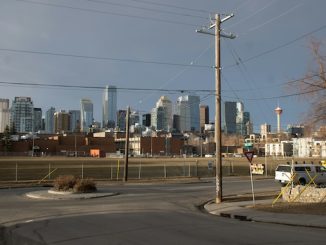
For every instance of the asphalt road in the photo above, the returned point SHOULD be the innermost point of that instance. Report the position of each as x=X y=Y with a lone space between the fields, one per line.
x=144 y=214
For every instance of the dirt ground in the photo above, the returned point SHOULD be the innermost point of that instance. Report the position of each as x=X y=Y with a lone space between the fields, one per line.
x=294 y=208
x=282 y=207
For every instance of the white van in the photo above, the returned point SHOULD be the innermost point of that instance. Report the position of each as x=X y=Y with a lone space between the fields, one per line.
x=283 y=174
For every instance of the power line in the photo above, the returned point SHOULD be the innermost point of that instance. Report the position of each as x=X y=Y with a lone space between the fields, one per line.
x=146 y=9
x=253 y=14
x=277 y=84
x=275 y=18
x=179 y=73
x=286 y=95
x=102 y=58
x=278 y=47
x=171 y=6
x=106 y=12
x=64 y=86
x=243 y=70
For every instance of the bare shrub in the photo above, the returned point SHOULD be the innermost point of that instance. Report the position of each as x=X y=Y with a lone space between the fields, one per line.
x=64 y=183
x=84 y=186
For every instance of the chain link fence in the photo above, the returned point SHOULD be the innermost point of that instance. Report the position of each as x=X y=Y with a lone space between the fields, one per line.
x=113 y=170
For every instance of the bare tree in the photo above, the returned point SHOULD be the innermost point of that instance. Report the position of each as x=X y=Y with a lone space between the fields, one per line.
x=313 y=86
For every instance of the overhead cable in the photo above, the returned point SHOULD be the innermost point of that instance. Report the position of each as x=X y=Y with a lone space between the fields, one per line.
x=102 y=58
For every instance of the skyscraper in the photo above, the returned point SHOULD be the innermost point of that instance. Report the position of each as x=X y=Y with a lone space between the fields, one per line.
x=86 y=114
x=4 y=114
x=165 y=103
x=21 y=114
x=134 y=118
x=204 y=116
x=240 y=125
x=188 y=110
x=234 y=119
x=37 y=119
x=61 y=122
x=109 y=112
x=74 y=120
x=49 y=120
x=247 y=124
x=146 y=118
x=121 y=119
x=158 y=118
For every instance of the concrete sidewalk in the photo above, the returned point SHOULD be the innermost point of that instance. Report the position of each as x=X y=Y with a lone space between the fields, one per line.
x=243 y=210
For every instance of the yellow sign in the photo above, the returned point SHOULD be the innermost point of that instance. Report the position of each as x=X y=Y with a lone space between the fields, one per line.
x=257 y=168
x=323 y=163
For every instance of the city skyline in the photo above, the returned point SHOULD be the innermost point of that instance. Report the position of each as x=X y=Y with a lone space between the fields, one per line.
x=73 y=53
x=234 y=119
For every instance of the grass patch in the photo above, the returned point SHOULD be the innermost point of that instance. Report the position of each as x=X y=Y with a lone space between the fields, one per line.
x=74 y=184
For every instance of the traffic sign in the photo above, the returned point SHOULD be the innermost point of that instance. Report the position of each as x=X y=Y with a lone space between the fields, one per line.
x=249 y=155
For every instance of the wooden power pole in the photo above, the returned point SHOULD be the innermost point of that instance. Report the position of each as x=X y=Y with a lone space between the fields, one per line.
x=218 y=135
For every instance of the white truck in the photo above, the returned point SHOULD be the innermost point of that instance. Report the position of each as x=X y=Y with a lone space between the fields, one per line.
x=303 y=174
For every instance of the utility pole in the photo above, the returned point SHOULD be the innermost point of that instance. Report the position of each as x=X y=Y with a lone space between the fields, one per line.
x=125 y=178
x=218 y=134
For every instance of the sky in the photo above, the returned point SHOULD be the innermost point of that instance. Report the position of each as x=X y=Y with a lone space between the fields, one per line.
x=71 y=49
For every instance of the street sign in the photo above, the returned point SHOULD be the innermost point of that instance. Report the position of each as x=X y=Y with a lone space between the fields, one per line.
x=257 y=168
x=249 y=155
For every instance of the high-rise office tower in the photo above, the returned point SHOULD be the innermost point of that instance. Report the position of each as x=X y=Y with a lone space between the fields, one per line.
x=204 y=116
x=86 y=114
x=234 y=119
x=37 y=119
x=49 y=120
x=134 y=118
x=158 y=118
x=165 y=103
x=61 y=122
x=247 y=124
x=4 y=114
x=121 y=119
x=146 y=118
x=188 y=110
x=240 y=127
x=21 y=114
x=109 y=108
x=74 y=120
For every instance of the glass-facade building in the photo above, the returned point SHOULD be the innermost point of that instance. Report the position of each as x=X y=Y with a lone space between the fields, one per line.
x=86 y=114
x=109 y=107
x=37 y=119
x=74 y=120
x=21 y=114
x=188 y=110
x=234 y=119
x=49 y=120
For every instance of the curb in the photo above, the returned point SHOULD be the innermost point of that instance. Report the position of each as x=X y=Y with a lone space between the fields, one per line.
x=45 y=195
x=240 y=212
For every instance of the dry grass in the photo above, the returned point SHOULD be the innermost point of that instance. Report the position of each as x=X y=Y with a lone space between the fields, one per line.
x=294 y=208
x=84 y=186
x=74 y=184
x=64 y=183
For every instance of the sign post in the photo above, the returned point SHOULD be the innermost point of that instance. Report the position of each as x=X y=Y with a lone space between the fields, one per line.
x=249 y=155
